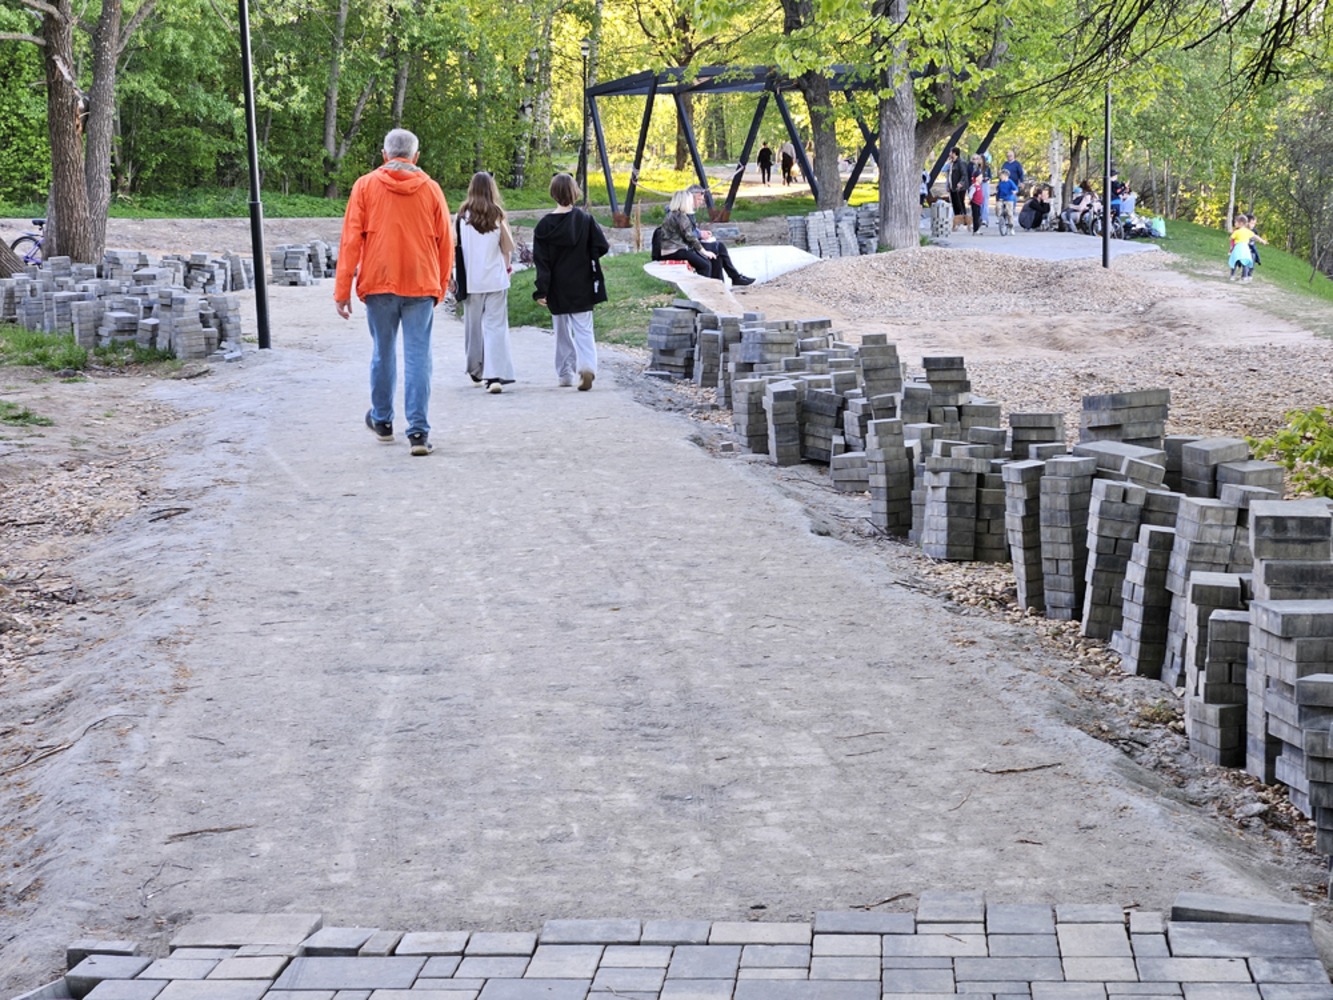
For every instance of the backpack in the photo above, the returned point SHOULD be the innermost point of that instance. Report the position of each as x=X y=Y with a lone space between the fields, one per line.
x=657 y=244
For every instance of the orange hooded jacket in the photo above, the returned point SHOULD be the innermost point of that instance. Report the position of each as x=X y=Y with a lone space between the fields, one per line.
x=397 y=229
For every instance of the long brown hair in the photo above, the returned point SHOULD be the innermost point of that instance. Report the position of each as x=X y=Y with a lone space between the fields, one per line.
x=482 y=208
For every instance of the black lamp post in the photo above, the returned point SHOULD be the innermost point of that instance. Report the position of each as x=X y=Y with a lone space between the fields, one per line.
x=256 y=207
x=585 y=47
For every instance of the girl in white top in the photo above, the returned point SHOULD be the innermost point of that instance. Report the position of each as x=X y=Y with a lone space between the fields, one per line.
x=487 y=248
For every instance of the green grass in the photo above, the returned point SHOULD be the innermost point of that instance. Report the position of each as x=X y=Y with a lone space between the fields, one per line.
x=20 y=416
x=1205 y=249
x=126 y=355
x=622 y=319
x=52 y=351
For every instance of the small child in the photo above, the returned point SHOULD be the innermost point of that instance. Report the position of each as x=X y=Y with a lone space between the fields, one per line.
x=976 y=198
x=1241 y=256
x=1254 y=243
x=1006 y=203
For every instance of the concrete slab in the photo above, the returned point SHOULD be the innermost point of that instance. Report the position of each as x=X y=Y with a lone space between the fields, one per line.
x=231 y=930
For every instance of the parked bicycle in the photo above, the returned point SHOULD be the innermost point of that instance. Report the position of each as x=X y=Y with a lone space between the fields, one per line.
x=29 y=245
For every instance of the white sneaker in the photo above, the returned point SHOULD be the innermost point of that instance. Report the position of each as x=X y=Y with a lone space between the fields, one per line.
x=566 y=381
x=495 y=388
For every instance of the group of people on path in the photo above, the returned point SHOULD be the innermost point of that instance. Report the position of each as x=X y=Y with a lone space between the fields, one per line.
x=970 y=189
x=787 y=159
x=399 y=245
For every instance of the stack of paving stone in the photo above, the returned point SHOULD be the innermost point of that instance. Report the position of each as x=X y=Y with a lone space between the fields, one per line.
x=821 y=419
x=1066 y=497
x=992 y=541
x=1137 y=417
x=889 y=477
x=1205 y=539
x=782 y=407
x=1113 y=524
x=1216 y=711
x=1174 y=446
x=707 y=354
x=867 y=228
x=1145 y=608
x=671 y=335
x=120 y=325
x=767 y=342
x=845 y=225
x=850 y=472
x=798 y=234
x=1022 y=521
x=881 y=373
x=294 y=264
x=748 y=414
x=1027 y=429
x=1216 y=729
x=949 y=520
x=122 y=265
x=1199 y=461
x=821 y=234
x=856 y=417
x=1126 y=463
x=1314 y=705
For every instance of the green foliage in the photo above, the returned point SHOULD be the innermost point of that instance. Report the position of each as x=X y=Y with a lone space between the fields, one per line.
x=52 y=351
x=25 y=168
x=622 y=319
x=17 y=415
x=1305 y=449
x=1205 y=249
x=132 y=355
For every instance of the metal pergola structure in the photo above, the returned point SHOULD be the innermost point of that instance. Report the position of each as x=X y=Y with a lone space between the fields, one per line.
x=679 y=81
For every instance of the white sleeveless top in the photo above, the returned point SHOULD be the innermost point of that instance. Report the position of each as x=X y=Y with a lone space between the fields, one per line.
x=487 y=268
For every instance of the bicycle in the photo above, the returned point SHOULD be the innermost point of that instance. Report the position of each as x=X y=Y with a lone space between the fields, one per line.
x=29 y=245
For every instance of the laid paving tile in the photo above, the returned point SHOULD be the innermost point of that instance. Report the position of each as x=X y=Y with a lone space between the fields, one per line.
x=776 y=956
x=458 y=985
x=354 y=994
x=213 y=989
x=1144 y=989
x=950 y=996
x=1149 y=945
x=1100 y=970
x=933 y=946
x=857 y=922
x=179 y=968
x=1024 y=946
x=1295 y=991
x=675 y=932
x=394 y=973
x=433 y=943
x=591 y=932
x=1201 y=906
x=938 y=906
x=826 y=990
x=564 y=961
x=1068 y=991
x=707 y=961
x=263 y=950
x=697 y=989
x=231 y=930
x=533 y=989
x=761 y=973
x=918 y=981
x=951 y=928
x=1193 y=970
x=126 y=989
x=1088 y=913
x=440 y=967
x=1206 y=940
x=381 y=943
x=1020 y=918
x=1288 y=970
x=1013 y=969
x=636 y=956
x=753 y=932
x=1089 y=940
x=216 y=954
x=330 y=941
x=913 y=962
x=267 y=967
x=81 y=979
x=622 y=980
x=845 y=968
x=492 y=967
x=493 y=943
x=79 y=950
x=1221 y=991
x=994 y=988
x=1146 y=922
x=861 y=945
x=305 y=995
x=443 y=992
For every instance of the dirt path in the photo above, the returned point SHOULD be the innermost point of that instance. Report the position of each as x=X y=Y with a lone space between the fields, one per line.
x=572 y=664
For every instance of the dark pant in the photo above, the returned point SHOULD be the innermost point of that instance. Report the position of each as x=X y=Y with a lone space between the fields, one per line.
x=703 y=267
x=722 y=260
x=976 y=217
x=787 y=163
x=766 y=173
x=957 y=200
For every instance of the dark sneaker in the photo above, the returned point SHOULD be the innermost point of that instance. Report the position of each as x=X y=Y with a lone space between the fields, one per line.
x=420 y=444
x=585 y=380
x=381 y=429
x=742 y=279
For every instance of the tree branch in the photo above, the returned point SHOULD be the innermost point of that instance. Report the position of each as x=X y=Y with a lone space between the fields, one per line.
x=133 y=24
x=221 y=16
x=17 y=36
x=44 y=8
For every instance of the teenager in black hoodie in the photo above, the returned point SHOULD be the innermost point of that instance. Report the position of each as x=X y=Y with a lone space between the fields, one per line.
x=566 y=247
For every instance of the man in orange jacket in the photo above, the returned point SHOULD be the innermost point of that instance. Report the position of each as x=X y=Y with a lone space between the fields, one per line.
x=397 y=230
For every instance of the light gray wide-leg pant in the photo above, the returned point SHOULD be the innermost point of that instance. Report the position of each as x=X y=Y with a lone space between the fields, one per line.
x=575 y=348
x=486 y=335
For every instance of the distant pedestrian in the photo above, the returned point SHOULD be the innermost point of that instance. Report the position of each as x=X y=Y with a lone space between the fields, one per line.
x=765 y=161
x=567 y=248
x=487 y=248
x=958 y=184
x=976 y=201
x=1006 y=202
x=397 y=242
x=787 y=153
x=1015 y=168
x=1243 y=248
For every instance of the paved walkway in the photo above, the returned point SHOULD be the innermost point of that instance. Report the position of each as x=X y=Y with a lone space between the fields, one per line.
x=954 y=946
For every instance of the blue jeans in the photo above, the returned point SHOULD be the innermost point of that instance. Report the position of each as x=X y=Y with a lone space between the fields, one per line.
x=384 y=313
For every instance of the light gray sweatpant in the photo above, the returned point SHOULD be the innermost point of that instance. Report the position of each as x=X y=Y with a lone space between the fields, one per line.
x=486 y=335
x=575 y=348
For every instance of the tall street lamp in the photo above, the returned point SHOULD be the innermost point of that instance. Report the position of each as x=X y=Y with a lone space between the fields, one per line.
x=585 y=47
x=256 y=206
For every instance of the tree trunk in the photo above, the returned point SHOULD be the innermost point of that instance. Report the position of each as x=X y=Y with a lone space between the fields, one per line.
x=682 y=146
x=1055 y=162
x=10 y=262
x=1075 y=151
x=823 y=130
x=1156 y=201
x=400 y=77
x=542 y=111
x=522 y=141
x=899 y=160
x=71 y=232
x=716 y=116
x=1231 y=196
x=102 y=118
x=331 y=101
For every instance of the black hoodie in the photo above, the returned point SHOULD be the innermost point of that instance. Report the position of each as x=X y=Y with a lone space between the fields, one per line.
x=564 y=247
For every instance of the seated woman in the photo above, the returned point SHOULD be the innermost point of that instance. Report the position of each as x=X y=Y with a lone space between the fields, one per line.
x=679 y=241
x=1036 y=210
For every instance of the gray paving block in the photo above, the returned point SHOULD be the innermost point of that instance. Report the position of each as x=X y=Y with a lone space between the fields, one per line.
x=354 y=994
x=591 y=932
x=636 y=956
x=860 y=922
x=1093 y=940
x=81 y=979
x=778 y=956
x=748 y=932
x=79 y=950
x=451 y=986
x=433 y=943
x=381 y=943
x=1020 y=918
x=890 y=962
x=1288 y=970
x=492 y=967
x=440 y=967
x=533 y=989
x=126 y=989
x=762 y=973
x=1209 y=940
x=993 y=988
x=1149 y=945
x=261 y=950
x=675 y=932
x=1147 y=921
x=216 y=954
x=1221 y=991
x=1295 y=991
x=1024 y=946
x=1068 y=991
x=933 y=946
x=231 y=930
x=1193 y=970
x=213 y=989
x=496 y=943
x=825 y=990
x=939 y=906
x=331 y=941
x=698 y=989
x=265 y=967
x=1012 y=969
x=707 y=961
x=307 y=994
x=1144 y=989
x=952 y=927
x=1088 y=913
x=841 y=967
x=1207 y=906
x=918 y=981
x=623 y=979
x=179 y=968
x=1100 y=970
x=859 y=945
x=564 y=961
x=394 y=973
